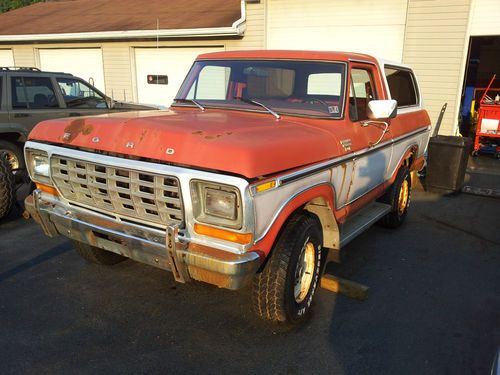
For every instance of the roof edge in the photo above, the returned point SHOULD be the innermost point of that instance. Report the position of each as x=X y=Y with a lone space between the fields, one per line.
x=236 y=29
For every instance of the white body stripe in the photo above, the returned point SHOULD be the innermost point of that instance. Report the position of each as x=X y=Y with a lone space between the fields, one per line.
x=350 y=180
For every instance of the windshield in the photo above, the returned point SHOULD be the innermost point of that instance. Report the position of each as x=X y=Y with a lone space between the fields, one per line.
x=286 y=87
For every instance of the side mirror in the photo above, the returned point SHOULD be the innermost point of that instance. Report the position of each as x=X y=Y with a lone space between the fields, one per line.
x=381 y=109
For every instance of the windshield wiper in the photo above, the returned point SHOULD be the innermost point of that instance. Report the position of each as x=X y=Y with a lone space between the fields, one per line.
x=251 y=101
x=190 y=101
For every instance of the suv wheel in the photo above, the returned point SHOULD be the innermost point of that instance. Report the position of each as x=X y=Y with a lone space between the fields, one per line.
x=6 y=188
x=13 y=154
x=284 y=290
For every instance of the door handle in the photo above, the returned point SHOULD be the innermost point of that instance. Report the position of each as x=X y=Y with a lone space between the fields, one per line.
x=385 y=130
x=22 y=115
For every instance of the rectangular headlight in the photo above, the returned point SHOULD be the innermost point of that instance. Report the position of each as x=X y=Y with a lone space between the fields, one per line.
x=216 y=204
x=38 y=166
x=220 y=203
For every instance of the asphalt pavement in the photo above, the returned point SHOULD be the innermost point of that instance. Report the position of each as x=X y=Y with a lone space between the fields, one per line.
x=433 y=307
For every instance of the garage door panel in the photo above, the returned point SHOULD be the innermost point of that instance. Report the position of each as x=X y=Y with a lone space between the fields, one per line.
x=85 y=63
x=172 y=62
x=363 y=26
x=6 y=57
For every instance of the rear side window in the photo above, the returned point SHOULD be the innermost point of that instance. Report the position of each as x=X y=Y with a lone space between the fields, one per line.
x=402 y=86
x=32 y=93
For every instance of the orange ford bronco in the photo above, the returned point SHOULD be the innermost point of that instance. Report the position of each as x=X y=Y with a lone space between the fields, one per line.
x=265 y=161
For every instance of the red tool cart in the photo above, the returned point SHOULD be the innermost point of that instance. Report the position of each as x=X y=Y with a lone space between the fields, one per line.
x=488 y=123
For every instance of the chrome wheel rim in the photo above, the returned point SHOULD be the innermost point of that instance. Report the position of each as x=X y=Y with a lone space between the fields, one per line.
x=11 y=158
x=403 y=196
x=304 y=272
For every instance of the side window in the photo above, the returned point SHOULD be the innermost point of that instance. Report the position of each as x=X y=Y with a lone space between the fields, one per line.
x=1 y=91
x=362 y=91
x=212 y=84
x=77 y=94
x=33 y=93
x=402 y=86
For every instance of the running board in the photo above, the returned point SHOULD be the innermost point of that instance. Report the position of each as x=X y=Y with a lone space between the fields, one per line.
x=362 y=220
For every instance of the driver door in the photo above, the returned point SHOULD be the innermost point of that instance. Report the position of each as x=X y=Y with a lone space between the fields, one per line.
x=368 y=138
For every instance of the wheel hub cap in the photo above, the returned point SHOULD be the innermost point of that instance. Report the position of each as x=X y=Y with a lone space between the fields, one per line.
x=11 y=159
x=304 y=272
x=403 y=196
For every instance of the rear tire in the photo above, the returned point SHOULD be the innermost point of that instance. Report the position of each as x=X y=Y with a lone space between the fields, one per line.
x=96 y=255
x=7 y=191
x=398 y=196
x=284 y=290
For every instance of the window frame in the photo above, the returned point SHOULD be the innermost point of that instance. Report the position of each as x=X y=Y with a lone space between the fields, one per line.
x=413 y=80
x=371 y=69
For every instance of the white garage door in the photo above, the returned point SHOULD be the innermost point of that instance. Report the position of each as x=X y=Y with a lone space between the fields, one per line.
x=85 y=63
x=369 y=26
x=6 y=58
x=171 y=62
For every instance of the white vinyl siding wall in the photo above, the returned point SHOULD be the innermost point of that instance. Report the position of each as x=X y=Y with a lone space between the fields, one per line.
x=436 y=47
x=373 y=27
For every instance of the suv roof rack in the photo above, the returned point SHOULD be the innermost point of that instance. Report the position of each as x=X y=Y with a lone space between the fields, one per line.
x=24 y=68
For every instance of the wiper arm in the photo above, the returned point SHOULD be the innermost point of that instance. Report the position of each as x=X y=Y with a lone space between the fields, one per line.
x=251 y=101
x=190 y=101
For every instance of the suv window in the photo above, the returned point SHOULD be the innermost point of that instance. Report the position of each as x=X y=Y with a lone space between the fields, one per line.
x=33 y=93
x=77 y=94
x=402 y=86
x=362 y=91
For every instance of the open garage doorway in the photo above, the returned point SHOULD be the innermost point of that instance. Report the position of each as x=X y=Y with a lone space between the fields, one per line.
x=483 y=61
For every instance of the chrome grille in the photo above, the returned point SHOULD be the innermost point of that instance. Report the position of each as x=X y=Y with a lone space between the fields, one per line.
x=134 y=194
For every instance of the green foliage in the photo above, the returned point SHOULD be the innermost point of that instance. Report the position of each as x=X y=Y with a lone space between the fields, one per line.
x=6 y=5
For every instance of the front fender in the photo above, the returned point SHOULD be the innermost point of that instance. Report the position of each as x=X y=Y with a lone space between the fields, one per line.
x=323 y=190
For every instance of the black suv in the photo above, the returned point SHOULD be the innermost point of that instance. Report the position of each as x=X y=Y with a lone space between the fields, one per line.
x=28 y=96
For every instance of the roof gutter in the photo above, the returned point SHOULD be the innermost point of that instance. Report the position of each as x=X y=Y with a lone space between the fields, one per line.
x=236 y=29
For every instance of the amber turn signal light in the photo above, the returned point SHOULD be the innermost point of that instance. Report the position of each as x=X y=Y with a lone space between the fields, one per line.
x=241 y=238
x=47 y=189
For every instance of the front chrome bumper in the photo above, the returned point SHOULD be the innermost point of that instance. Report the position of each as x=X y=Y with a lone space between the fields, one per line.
x=162 y=249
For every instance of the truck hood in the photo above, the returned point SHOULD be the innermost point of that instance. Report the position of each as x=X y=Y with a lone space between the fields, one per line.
x=243 y=143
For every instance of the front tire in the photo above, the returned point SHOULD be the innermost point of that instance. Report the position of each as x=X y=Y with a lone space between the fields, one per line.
x=96 y=255
x=7 y=191
x=398 y=196
x=284 y=290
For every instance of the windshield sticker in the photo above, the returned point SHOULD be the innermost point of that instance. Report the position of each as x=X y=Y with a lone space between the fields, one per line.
x=333 y=108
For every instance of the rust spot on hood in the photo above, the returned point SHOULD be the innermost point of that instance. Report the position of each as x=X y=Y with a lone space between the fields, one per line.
x=75 y=128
